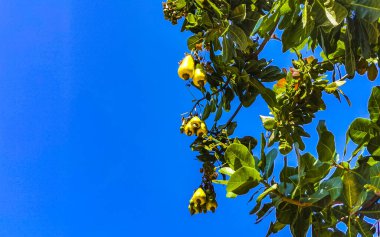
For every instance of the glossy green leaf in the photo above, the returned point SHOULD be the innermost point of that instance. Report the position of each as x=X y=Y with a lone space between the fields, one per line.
x=239 y=13
x=334 y=11
x=244 y=179
x=215 y=8
x=374 y=173
x=350 y=63
x=286 y=213
x=374 y=104
x=193 y=40
x=351 y=189
x=301 y=223
x=359 y=130
x=373 y=146
x=227 y=171
x=237 y=35
x=367 y=9
x=270 y=157
x=326 y=144
x=238 y=155
x=228 y=49
x=364 y=228
x=372 y=212
x=268 y=122
x=268 y=95
x=274 y=228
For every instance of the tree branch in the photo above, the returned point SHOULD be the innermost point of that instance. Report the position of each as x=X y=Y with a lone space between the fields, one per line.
x=261 y=47
x=288 y=200
x=204 y=97
x=233 y=115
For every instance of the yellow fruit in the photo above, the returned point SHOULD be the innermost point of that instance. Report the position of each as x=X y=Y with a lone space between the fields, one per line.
x=186 y=68
x=199 y=197
x=192 y=210
x=202 y=130
x=211 y=206
x=189 y=130
x=199 y=79
x=195 y=122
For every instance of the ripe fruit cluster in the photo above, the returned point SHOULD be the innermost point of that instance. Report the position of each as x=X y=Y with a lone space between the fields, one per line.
x=188 y=69
x=193 y=126
x=202 y=201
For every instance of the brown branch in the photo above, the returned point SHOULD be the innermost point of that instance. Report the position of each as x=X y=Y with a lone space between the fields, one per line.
x=261 y=47
x=233 y=115
x=288 y=200
x=205 y=97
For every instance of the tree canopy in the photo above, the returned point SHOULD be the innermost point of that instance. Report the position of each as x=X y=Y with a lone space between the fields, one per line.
x=224 y=63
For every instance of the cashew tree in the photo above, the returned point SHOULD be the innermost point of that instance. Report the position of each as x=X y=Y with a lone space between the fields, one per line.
x=322 y=195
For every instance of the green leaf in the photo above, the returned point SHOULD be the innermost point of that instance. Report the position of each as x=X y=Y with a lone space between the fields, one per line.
x=372 y=212
x=244 y=179
x=335 y=12
x=206 y=111
x=191 y=19
x=249 y=142
x=351 y=189
x=238 y=155
x=266 y=192
x=193 y=40
x=349 y=54
x=263 y=158
x=333 y=86
x=285 y=146
x=364 y=228
x=237 y=35
x=270 y=157
x=217 y=181
x=218 y=113
x=231 y=128
x=239 y=13
x=374 y=104
x=268 y=122
x=180 y=4
x=314 y=170
x=361 y=198
x=372 y=71
x=231 y=195
x=326 y=143
x=215 y=8
x=301 y=223
x=268 y=95
x=367 y=9
x=228 y=49
x=275 y=227
x=286 y=213
x=373 y=146
x=332 y=187
x=227 y=171
x=263 y=211
x=296 y=34
x=271 y=73
x=266 y=24
x=374 y=173
x=359 y=130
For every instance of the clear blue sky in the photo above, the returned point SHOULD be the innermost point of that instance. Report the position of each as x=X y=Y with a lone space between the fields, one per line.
x=90 y=106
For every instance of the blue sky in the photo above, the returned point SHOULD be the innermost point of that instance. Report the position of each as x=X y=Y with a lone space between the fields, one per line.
x=90 y=106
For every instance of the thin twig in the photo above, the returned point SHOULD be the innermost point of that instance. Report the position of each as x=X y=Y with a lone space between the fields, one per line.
x=205 y=97
x=233 y=115
x=288 y=200
x=261 y=47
